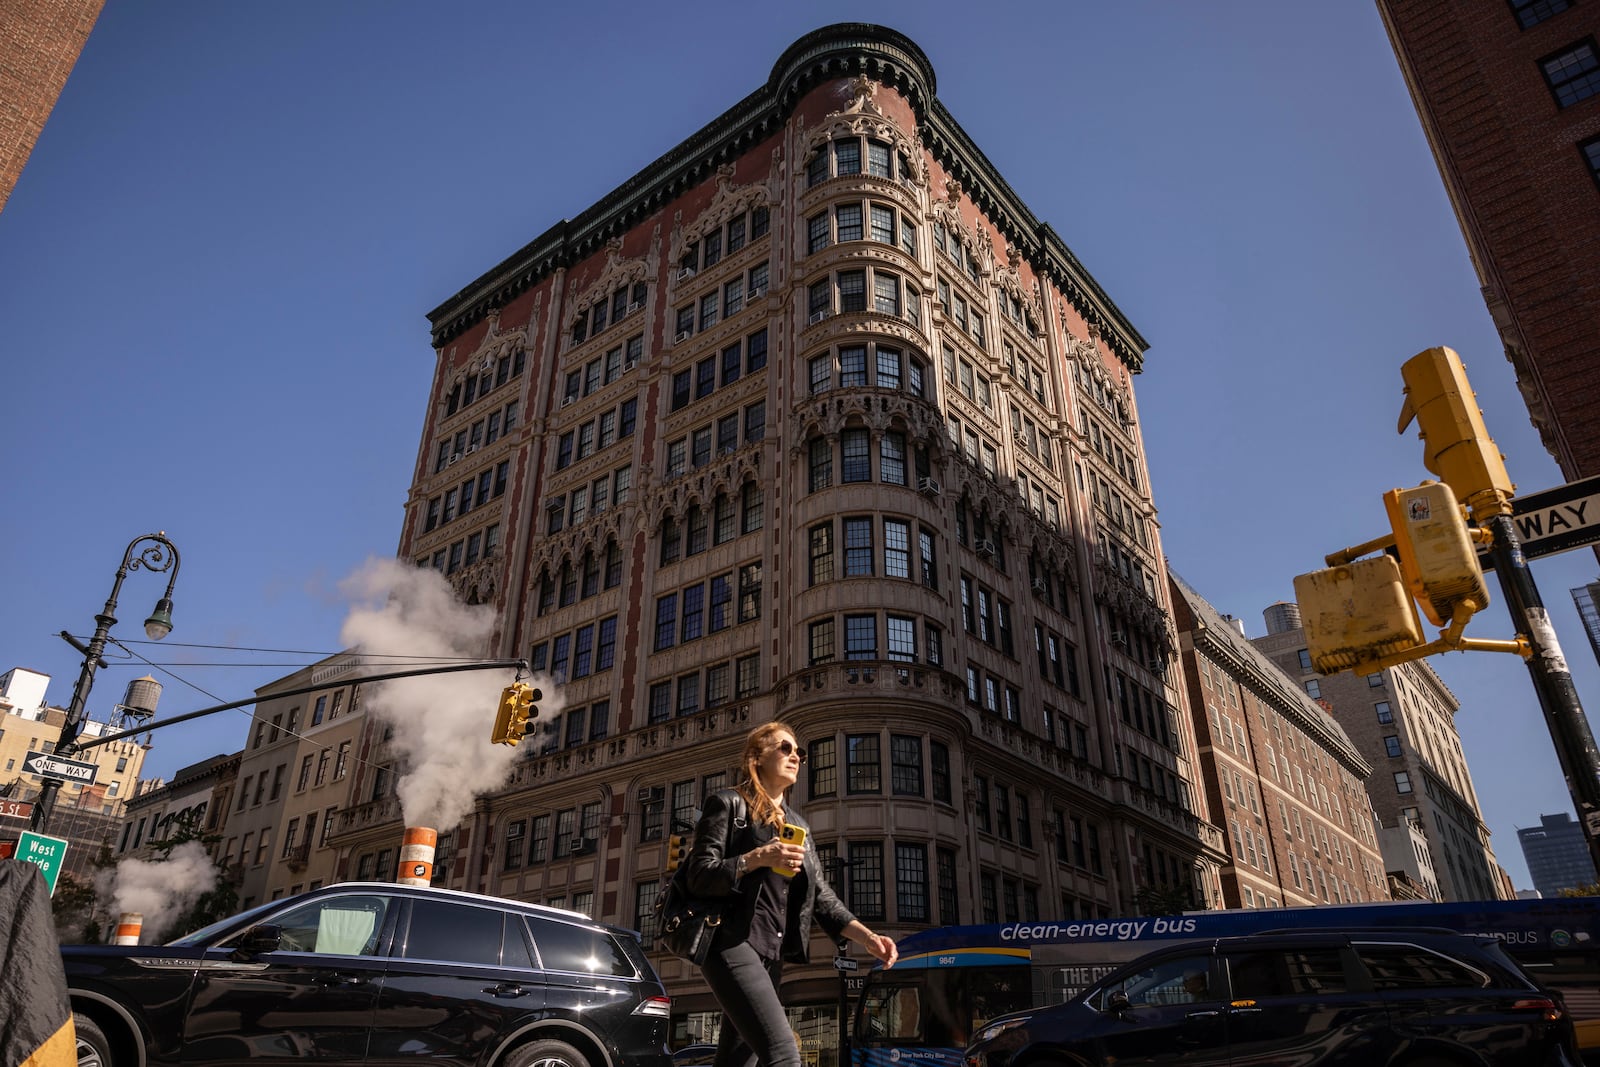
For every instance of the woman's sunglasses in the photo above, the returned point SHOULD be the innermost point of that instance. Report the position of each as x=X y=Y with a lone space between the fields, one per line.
x=789 y=748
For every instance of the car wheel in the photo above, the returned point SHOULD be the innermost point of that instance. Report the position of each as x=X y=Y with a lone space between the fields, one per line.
x=546 y=1053
x=93 y=1048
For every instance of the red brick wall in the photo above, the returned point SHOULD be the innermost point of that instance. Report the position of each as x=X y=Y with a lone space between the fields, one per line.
x=39 y=42
x=1527 y=202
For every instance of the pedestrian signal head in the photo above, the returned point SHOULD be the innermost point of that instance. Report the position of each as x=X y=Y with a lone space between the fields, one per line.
x=1356 y=613
x=519 y=706
x=1456 y=443
x=1438 y=558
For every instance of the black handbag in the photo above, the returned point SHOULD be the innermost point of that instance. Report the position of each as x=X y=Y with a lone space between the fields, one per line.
x=688 y=924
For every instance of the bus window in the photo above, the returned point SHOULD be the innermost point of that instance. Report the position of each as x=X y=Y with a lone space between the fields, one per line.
x=891 y=1013
x=997 y=992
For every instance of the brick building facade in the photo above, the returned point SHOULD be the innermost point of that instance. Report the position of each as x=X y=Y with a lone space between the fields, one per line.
x=39 y=44
x=1509 y=97
x=1284 y=779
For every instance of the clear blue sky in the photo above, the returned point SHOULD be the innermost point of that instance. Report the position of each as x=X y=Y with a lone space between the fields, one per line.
x=215 y=269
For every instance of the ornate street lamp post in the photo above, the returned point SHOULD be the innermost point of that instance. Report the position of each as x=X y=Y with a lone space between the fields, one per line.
x=156 y=554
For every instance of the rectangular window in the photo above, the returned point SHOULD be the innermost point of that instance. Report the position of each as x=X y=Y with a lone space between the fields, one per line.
x=860 y=637
x=821 y=539
x=857 y=547
x=817 y=232
x=896 y=548
x=882 y=223
x=911 y=882
x=847 y=218
x=863 y=769
x=852 y=289
x=949 y=909
x=1591 y=157
x=866 y=880
x=856 y=458
x=821 y=641
x=905 y=765
x=1574 y=74
x=824 y=767
x=666 y=620
x=892 y=458
x=902 y=634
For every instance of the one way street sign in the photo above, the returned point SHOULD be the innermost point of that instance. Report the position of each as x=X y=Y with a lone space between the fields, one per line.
x=1556 y=520
x=68 y=770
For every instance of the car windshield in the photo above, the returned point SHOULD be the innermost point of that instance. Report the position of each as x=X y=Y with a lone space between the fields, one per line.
x=207 y=934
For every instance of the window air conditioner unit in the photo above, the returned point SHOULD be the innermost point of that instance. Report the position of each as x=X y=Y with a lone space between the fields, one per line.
x=635 y=306
x=1119 y=638
x=685 y=272
x=985 y=547
x=1019 y=437
x=683 y=335
x=817 y=316
x=567 y=400
x=929 y=486
x=472 y=448
x=577 y=846
x=1159 y=666
x=454 y=457
x=630 y=364
x=649 y=794
x=757 y=290
x=1040 y=585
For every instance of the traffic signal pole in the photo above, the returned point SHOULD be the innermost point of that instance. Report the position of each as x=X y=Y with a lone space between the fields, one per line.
x=1552 y=680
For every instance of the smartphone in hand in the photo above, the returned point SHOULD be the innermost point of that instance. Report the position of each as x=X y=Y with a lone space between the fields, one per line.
x=790 y=835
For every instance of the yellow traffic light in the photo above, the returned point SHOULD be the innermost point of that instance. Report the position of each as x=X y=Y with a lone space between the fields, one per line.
x=1437 y=554
x=1356 y=613
x=1456 y=443
x=674 y=852
x=518 y=707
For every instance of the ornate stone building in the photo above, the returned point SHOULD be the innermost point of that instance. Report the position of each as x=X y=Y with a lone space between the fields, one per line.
x=812 y=419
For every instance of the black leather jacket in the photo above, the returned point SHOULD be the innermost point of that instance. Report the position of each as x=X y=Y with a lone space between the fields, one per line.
x=725 y=833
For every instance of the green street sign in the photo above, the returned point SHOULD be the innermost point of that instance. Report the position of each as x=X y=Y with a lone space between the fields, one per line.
x=47 y=853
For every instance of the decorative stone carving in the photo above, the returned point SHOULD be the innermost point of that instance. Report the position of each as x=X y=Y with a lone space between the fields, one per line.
x=862 y=90
x=729 y=200
x=1113 y=390
x=1010 y=280
x=616 y=273
x=726 y=475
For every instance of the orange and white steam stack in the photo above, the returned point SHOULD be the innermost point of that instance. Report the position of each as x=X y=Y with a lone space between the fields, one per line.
x=416 y=856
x=129 y=924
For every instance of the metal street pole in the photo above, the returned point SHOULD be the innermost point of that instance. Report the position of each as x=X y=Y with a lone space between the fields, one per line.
x=159 y=555
x=1558 y=697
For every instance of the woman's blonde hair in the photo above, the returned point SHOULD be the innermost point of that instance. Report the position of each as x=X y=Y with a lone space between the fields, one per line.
x=761 y=741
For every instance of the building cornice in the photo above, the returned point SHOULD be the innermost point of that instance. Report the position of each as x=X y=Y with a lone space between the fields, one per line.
x=833 y=52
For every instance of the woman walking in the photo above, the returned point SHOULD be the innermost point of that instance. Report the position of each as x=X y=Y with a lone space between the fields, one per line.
x=751 y=849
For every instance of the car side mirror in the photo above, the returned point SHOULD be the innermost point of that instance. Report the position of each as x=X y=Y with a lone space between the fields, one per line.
x=266 y=937
x=1117 y=1002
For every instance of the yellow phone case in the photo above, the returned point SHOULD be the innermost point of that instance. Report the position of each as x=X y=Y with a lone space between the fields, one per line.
x=793 y=835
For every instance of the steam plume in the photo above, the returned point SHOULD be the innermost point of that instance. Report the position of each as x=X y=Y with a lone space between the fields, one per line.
x=441 y=722
x=162 y=890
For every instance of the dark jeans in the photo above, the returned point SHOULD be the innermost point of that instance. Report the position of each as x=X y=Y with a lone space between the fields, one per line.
x=754 y=1026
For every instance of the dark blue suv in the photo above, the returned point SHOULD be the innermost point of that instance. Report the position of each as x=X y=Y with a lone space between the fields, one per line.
x=375 y=975
x=1417 y=998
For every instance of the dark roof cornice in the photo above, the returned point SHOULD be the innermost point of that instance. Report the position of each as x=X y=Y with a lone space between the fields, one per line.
x=838 y=51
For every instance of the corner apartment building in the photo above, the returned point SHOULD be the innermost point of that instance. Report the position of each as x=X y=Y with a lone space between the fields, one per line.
x=811 y=419
x=1283 y=777
x=1509 y=96
x=1402 y=720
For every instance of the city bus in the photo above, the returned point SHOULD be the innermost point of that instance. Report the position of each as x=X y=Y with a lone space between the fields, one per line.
x=952 y=979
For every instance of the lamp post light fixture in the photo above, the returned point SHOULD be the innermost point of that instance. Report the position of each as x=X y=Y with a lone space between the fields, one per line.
x=155 y=553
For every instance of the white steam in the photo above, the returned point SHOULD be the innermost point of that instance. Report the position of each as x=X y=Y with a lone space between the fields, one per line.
x=160 y=890
x=441 y=722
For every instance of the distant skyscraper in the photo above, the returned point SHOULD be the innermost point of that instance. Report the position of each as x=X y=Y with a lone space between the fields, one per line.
x=1557 y=854
x=1587 y=597
x=1509 y=97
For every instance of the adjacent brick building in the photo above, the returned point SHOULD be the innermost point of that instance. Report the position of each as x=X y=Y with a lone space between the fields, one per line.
x=1509 y=96
x=1284 y=779
x=1402 y=721
x=39 y=44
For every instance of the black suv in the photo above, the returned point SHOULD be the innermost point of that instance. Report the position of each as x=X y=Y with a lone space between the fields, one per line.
x=375 y=975
x=1397 y=997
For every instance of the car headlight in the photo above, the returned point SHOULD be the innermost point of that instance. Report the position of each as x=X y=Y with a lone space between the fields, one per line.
x=994 y=1030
